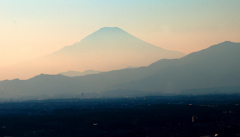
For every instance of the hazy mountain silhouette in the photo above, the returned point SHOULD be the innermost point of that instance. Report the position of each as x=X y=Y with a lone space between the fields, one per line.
x=77 y=73
x=215 y=67
x=104 y=50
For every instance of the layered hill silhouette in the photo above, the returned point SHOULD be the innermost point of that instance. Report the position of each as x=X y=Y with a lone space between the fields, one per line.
x=104 y=50
x=77 y=73
x=215 y=68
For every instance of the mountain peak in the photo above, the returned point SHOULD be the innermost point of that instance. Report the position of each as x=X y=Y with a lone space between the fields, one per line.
x=220 y=47
x=110 y=28
x=108 y=34
x=227 y=42
x=226 y=45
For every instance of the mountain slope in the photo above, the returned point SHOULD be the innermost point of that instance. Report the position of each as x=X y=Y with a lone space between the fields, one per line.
x=215 y=67
x=104 y=50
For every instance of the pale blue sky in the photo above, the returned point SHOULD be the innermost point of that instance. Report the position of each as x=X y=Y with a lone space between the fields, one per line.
x=33 y=28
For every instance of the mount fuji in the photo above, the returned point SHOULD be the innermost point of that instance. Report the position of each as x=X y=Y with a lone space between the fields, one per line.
x=109 y=48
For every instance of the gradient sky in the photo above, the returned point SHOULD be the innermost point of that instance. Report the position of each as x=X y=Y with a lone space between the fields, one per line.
x=30 y=29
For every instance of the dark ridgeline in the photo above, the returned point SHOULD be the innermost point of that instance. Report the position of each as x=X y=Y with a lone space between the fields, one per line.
x=212 y=70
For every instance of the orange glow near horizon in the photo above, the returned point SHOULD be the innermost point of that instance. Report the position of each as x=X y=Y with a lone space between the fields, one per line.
x=33 y=29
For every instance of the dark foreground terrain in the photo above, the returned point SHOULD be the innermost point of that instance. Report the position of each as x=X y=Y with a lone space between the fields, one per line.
x=150 y=116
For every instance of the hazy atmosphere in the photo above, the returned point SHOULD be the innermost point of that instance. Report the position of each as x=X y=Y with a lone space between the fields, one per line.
x=119 y=68
x=31 y=29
